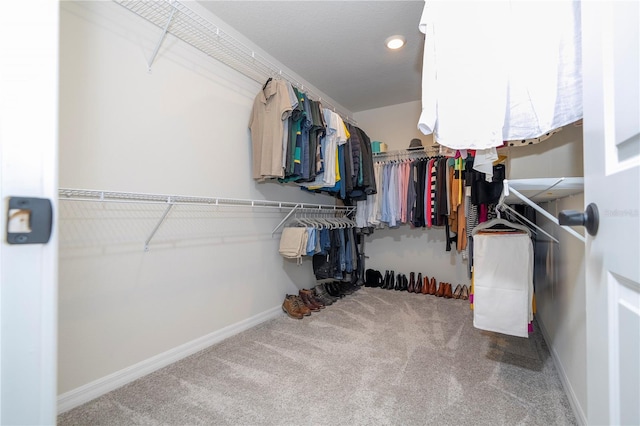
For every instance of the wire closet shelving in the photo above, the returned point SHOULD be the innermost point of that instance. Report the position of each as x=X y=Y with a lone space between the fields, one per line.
x=174 y=17
x=168 y=202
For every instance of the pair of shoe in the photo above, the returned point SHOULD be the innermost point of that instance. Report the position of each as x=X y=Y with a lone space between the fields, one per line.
x=425 y=285
x=310 y=301
x=415 y=283
x=395 y=282
x=388 y=283
x=433 y=288
x=461 y=292
x=295 y=307
x=339 y=289
x=444 y=290
x=322 y=295
x=402 y=283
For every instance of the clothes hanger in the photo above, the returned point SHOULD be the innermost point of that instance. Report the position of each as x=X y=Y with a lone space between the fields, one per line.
x=266 y=83
x=330 y=222
x=323 y=223
x=500 y=222
x=501 y=159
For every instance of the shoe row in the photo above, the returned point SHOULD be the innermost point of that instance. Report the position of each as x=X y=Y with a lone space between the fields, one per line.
x=313 y=300
x=416 y=283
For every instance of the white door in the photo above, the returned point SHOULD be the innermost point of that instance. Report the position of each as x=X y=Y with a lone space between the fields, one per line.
x=28 y=157
x=611 y=72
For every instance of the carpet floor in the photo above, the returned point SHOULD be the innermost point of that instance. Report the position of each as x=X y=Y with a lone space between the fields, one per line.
x=376 y=357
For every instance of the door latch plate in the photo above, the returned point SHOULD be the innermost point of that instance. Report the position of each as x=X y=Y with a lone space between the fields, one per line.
x=29 y=220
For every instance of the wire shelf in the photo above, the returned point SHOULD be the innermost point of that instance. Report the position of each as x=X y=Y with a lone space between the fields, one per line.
x=127 y=217
x=179 y=20
x=113 y=196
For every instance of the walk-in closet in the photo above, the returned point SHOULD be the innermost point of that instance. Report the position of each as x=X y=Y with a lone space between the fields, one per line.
x=261 y=214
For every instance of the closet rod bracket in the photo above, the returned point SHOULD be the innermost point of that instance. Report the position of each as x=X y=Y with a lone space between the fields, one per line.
x=162 y=36
x=293 y=210
x=541 y=211
x=160 y=222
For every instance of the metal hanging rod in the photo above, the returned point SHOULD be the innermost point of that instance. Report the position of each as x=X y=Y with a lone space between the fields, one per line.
x=507 y=189
x=344 y=210
x=407 y=153
x=175 y=18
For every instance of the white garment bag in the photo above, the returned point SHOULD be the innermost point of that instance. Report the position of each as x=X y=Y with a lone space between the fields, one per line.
x=503 y=279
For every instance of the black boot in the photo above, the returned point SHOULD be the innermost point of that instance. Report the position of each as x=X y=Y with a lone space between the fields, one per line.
x=392 y=280
x=418 y=286
x=412 y=282
x=333 y=290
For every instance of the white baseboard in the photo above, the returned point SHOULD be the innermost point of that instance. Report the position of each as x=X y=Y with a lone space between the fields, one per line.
x=86 y=393
x=573 y=400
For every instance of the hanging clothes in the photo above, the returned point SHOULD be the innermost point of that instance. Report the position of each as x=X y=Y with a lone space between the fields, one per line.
x=502 y=83
x=293 y=243
x=271 y=106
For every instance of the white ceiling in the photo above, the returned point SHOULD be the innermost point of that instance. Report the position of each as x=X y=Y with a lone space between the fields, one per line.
x=337 y=46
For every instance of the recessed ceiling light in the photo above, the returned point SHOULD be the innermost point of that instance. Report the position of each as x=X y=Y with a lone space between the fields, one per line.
x=395 y=42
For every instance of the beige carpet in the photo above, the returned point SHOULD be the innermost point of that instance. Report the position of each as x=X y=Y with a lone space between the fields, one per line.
x=377 y=357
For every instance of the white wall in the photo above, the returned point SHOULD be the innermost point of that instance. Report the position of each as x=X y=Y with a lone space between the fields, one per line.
x=406 y=250
x=179 y=129
x=560 y=155
x=560 y=293
x=394 y=125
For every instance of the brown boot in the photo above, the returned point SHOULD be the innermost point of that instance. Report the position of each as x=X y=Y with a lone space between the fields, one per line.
x=292 y=307
x=303 y=308
x=312 y=298
x=440 y=291
x=448 y=294
x=308 y=303
x=425 y=285
x=432 y=286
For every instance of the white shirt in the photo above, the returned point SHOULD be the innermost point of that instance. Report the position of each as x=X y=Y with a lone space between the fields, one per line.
x=499 y=70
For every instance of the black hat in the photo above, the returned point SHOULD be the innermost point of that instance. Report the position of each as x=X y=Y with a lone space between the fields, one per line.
x=415 y=144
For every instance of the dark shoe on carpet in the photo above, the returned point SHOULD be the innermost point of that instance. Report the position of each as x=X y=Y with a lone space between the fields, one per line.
x=322 y=294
